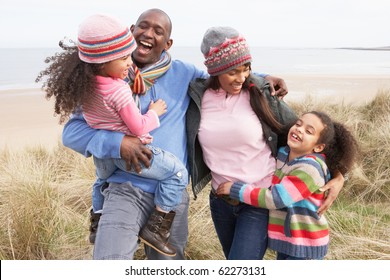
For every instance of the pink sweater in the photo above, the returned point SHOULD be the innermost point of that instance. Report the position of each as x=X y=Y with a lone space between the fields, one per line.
x=232 y=140
x=113 y=108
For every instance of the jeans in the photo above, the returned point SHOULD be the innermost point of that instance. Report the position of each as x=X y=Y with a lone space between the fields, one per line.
x=126 y=209
x=97 y=195
x=241 y=229
x=282 y=256
x=164 y=167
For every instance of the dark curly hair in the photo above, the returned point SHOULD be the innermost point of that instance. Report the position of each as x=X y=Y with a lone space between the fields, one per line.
x=341 y=147
x=257 y=99
x=69 y=80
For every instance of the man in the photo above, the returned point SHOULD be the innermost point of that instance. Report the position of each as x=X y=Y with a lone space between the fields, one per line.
x=129 y=198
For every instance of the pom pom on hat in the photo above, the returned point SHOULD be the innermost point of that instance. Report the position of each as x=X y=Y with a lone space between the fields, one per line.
x=102 y=38
x=224 y=49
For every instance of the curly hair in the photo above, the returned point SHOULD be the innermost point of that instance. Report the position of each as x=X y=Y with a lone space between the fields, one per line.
x=69 y=80
x=257 y=100
x=341 y=147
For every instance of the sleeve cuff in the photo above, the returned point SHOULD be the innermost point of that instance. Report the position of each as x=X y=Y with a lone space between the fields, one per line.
x=263 y=75
x=157 y=118
x=109 y=144
x=235 y=190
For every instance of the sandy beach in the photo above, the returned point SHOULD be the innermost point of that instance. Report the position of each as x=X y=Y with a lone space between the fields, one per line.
x=27 y=118
x=341 y=88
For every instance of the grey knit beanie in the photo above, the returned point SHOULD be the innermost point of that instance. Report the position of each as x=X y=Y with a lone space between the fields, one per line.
x=224 y=49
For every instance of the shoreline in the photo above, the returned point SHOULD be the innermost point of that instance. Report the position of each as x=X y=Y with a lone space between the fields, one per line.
x=27 y=118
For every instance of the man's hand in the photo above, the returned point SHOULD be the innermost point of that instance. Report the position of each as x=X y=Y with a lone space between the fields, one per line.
x=133 y=152
x=334 y=187
x=277 y=86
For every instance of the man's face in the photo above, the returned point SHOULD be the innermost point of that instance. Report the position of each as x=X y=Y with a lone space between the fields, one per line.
x=152 y=34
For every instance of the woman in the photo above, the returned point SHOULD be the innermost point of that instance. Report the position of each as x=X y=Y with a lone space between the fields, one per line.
x=234 y=128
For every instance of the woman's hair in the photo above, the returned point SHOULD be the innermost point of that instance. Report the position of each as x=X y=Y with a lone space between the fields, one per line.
x=341 y=147
x=258 y=101
x=69 y=80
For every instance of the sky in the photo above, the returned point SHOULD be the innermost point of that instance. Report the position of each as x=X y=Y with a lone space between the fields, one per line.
x=266 y=23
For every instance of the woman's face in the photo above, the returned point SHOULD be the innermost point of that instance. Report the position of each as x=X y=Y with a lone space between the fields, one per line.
x=232 y=81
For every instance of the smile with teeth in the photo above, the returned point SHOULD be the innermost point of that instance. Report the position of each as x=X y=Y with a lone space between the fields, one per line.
x=293 y=135
x=145 y=44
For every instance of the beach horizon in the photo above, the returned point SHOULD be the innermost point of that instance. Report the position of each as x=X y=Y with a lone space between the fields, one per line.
x=28 y=120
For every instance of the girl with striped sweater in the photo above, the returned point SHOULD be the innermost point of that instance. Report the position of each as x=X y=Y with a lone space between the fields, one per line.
x=315 y=146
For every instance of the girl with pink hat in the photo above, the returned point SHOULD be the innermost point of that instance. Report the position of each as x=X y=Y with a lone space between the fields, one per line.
x=90 y=77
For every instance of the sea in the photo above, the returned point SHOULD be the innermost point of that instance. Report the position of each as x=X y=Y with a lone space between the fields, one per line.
x=21 y=66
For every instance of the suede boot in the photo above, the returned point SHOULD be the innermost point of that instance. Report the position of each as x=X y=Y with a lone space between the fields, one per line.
x=94 y=219
x=157 y=230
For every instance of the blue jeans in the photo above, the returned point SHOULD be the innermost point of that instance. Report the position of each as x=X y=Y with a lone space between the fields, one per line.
x=241 y=229
x=282 y=256
x=164 y=167
x=126 y=208
x=97 y=195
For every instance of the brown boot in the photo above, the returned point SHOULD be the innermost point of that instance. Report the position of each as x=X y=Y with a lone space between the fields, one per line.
x=94 y=220
x=156 y=232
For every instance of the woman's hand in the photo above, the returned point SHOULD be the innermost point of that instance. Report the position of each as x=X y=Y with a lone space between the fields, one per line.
x=333 y=187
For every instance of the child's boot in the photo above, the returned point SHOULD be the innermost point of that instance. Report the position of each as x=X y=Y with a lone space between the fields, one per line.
x=157 y=230
x=94 y=219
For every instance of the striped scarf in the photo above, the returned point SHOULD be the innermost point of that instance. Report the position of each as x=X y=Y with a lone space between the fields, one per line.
x=141 y=80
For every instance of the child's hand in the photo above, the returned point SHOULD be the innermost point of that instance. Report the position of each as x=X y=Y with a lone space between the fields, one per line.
x=160 y=107
x=224 y=188
x=146 y=139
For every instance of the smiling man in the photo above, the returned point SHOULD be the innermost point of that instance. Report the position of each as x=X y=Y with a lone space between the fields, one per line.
x=153 y=35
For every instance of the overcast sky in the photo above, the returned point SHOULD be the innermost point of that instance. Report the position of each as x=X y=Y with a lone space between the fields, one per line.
x=271 y=23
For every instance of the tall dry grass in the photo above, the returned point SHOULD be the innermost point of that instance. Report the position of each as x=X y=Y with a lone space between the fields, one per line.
x=46 y=196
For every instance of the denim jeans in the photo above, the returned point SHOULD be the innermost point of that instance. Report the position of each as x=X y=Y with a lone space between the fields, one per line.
x=97 y=195
x=126 y=209
x=164 y=167
x=282 y=256
x=241 y=229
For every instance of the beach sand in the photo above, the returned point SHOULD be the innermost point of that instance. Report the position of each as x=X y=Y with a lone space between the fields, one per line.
x=335 y=89
x=27 y=118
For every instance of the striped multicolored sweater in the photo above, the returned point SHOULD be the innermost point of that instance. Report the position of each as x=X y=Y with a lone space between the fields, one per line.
x=293 y=198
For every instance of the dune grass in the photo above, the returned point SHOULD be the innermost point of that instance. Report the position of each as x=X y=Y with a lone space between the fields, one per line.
x=46 y=196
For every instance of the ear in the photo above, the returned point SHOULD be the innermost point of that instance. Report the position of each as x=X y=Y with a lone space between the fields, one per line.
x=168 y=44
x=132 y=28
x=101 y=70
x=318 y=148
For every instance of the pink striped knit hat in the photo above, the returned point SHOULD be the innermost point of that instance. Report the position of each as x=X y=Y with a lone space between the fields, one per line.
x=103 y=38
x=224 y=49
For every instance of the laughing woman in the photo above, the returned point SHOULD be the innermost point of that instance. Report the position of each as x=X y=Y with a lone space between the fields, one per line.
x=234 y=129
